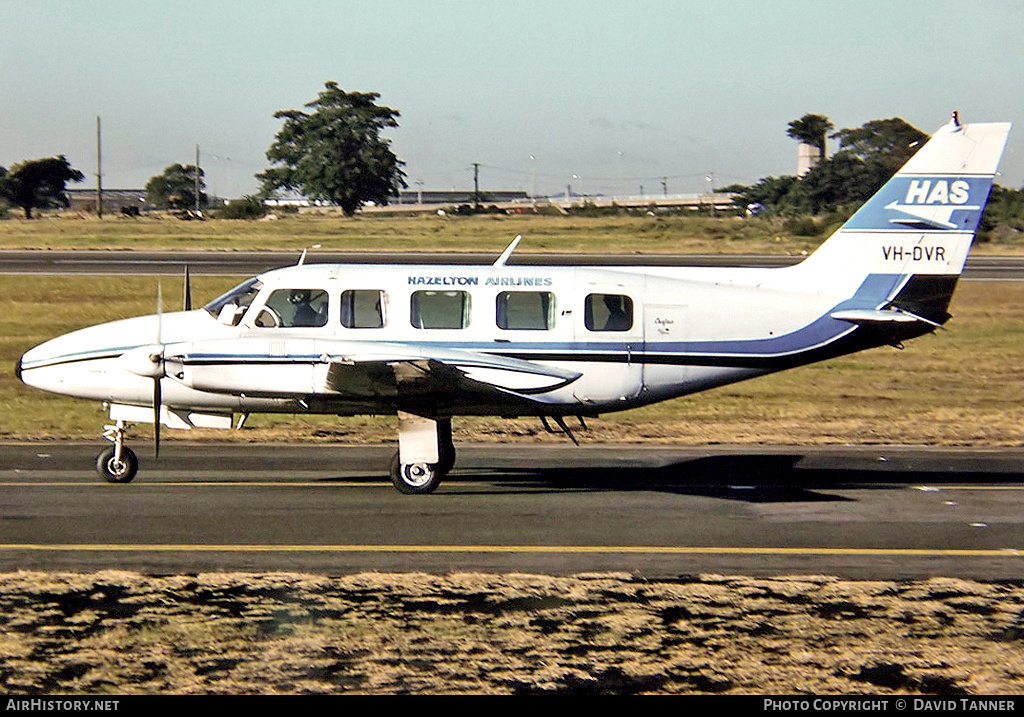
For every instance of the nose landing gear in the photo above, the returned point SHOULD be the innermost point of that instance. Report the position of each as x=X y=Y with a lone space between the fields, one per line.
x=117 y=464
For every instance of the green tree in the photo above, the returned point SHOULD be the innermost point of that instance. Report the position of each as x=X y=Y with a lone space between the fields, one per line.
x=1004 y=215
x=890 y=142
x=248 y=207
x=811 y=129
x=176 y=188
x=38 y=183
x=336 y=152
x=867 y=157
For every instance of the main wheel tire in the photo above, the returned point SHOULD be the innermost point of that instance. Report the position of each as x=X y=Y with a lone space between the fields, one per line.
x=414 y=478
x=114 y=471
x=445 y=461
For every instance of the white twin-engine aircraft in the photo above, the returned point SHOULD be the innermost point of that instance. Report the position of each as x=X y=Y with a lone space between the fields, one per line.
x=433 y=342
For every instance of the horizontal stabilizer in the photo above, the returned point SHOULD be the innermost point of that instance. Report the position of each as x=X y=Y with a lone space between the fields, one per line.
x=881 y=316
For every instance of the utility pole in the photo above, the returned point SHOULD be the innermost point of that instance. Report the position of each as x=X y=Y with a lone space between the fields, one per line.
x=197 y=181
x=476 y=185
x=99 y=172
x=710 y=178
x=533 y=180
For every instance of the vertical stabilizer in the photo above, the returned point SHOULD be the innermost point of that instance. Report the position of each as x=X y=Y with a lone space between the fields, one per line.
x=920 y=224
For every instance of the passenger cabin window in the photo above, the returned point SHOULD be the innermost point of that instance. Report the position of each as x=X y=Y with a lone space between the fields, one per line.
x=527 y=310
x=294 y=308
x=440 y=309
x=608 y=312
x=362 y=309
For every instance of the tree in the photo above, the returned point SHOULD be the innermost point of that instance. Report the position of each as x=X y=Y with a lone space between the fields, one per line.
x=1004 y=214
x=38 y=183
x=248 y=207
x=887 y=143
x=335 y=152
x=176 y=188
x=867 y=157
x=811 y=129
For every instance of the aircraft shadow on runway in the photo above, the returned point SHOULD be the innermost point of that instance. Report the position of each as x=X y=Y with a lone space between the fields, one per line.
x=757 y=478
x=767 y=477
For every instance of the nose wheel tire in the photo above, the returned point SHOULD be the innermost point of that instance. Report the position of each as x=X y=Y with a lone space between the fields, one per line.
x=117 y=471
x=415 y=478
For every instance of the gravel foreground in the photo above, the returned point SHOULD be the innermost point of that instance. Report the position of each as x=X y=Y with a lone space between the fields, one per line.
x=233 y=633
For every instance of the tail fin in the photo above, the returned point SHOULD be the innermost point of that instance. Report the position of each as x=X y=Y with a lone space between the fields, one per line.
x=912 y=237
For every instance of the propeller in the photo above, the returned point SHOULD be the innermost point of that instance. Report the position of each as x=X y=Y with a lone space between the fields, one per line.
x=186 y=292
x=157 y=357
x=149 y=362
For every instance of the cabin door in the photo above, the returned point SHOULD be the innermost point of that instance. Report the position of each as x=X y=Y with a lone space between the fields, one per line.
x=609 y=340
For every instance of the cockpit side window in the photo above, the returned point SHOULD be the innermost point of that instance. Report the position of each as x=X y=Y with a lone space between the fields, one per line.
x=294 y=308
x=238 y=299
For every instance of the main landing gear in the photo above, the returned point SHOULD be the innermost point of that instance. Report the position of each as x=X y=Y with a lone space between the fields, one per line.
x=425 y=453
x=117 y=464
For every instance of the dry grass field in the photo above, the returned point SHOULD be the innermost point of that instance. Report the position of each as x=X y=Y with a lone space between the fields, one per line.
x=117 y=633
x=427 y=232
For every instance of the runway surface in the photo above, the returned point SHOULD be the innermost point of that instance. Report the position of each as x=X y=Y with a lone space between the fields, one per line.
x=244 y=263
x=868 y=512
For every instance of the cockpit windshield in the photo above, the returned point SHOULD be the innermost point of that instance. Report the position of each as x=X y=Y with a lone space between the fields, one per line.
x=241 y=296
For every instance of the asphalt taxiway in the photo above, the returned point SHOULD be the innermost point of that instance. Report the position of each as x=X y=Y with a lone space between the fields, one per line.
x=877 y=512
x=247 y=263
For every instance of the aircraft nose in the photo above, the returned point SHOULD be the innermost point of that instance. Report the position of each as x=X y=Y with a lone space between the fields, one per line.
x=17 y=369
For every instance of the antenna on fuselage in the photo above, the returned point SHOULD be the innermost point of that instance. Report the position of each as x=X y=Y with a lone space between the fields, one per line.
x=302 y=259
x=508 y=251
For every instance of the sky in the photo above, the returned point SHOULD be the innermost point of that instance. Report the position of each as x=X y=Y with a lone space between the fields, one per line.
x=608 y=97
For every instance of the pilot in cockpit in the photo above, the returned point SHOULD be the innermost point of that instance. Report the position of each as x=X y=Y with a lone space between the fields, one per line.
x=304 y=312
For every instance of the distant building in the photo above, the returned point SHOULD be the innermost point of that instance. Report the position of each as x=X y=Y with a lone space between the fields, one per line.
x=458 y=197
x=410 y=197
x=114 y=200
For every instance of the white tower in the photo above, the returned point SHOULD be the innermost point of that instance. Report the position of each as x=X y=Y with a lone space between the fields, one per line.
x=807 y=156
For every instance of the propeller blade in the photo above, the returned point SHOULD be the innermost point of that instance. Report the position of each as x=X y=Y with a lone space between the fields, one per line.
x=157 y=403
x=186 y=298
x=159 y=316
x=159 y=359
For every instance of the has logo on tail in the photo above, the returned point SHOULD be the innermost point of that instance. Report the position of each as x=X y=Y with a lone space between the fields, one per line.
x=933 y=202
x=944 y=203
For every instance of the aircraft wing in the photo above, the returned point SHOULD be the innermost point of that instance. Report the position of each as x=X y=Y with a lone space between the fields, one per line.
x=363 y=370
x=441 y=372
